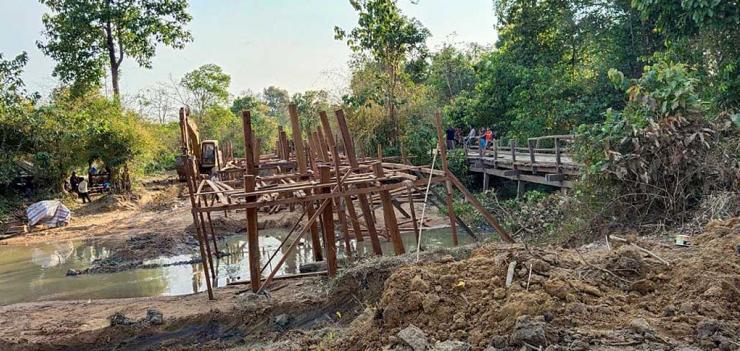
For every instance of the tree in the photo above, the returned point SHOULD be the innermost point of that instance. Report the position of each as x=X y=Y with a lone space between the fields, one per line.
x=86 y=36
x=246 y=102
x=277 y=103
x=156 y=103
x=451 y=72
x=206 y=86
x=389 y=38
x=309 y=104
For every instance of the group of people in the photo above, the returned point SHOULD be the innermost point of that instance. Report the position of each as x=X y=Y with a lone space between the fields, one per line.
x=79 y=185
x=455 y=139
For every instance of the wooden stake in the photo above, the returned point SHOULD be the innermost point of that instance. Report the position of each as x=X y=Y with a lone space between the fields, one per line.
x=191 y=168
x=252 y=237
x=297 y=140
x=330 y=247
x=389 y=215
x=448 y=185
x=364 y=204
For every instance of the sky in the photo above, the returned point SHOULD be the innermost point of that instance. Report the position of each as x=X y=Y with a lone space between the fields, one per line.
x=286 y=43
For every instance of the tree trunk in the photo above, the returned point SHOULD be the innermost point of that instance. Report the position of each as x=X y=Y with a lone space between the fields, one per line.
x=114 y=63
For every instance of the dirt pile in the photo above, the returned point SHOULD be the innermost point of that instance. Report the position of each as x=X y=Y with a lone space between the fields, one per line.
x=599 y=298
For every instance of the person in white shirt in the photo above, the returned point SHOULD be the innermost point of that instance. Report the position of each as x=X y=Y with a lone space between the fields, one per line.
x=82 y=190
x=471 y=135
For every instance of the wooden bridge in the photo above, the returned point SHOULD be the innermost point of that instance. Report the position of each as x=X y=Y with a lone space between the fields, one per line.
x=545 y=160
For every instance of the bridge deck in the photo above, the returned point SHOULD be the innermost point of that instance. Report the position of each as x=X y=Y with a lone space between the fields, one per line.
x=551 y=166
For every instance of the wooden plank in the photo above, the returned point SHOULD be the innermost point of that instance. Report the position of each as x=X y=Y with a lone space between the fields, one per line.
x=248 y=143
x=441 y=142
x=512 y=173
x=555 y=177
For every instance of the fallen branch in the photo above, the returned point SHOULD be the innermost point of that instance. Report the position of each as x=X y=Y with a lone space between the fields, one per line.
x=642 y=249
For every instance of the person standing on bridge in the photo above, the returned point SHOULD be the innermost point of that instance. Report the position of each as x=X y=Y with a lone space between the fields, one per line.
x=489 y=136
x=482 y=138
x=471 y=135
x=450 y=138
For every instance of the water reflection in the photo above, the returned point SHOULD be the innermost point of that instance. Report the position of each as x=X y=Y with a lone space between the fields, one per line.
x=38 y=272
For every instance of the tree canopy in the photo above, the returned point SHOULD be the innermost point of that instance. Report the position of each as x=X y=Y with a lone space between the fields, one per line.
x=85 y=37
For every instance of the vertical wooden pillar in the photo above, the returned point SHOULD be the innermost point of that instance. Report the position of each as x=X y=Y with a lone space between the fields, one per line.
x=253 y=245
x=192 y=188
x=323 y=147
x=519 y=189
x=557 y=154
x=364 y=204
x=486 y=180
x=389 y=214
x=329 y=135
x=512 y=146
x=303 y=171
x=380 y=153
x=448 y=185
x=412 y=209
x=327 y=215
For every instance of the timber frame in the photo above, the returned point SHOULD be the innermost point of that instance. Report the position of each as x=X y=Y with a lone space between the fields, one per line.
x=309 y=170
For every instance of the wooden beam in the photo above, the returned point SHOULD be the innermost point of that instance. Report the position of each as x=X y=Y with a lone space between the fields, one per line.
x=441 y=142
x=248 y=143
x=253 y=246
x=192 y=174
x=327 y=215
x=555 y=177
x=300 y=153
x=512 y=173
x=389 y=215
x=364 y=204
x=481 y=209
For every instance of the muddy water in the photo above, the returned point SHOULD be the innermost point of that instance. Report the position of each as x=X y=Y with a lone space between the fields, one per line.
x=38 y=271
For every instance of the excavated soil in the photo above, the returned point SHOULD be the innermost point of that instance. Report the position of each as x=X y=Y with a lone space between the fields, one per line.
x=614 y=299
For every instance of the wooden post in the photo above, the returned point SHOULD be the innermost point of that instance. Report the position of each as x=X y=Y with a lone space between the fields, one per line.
x=486 y=180
x=330 y=248
x=443 y=155
x=340 y=207
x=380 y=153
x=323 y=148
x=412 y=209
x=364 y=204
x=191 y=168
x=297 y=139
x=530 y=146
x=389 y=214
x=557 y=154
x=253 y=245
x=207 y=245
x=495 y=152
x=248 y=143
x=512 y=144
x=519 y=189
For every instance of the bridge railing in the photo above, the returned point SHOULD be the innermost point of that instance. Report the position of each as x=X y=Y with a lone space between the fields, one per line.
x=534 y=147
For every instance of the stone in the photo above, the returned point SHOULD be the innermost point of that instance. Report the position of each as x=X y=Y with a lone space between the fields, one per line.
x=643 y=286
x=414 y=337
x=430 y=303
x=529 y=330
x=418 y=284
x=72 y=272
x=282 y=321
x=312 y=267
x=499 y=293
x=641 y=326
x=154 y=316
x=119 y=318
x=451 y=345
x=499 y=341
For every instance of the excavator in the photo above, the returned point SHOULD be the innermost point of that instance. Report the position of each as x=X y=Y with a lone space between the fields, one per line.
x=207 y=153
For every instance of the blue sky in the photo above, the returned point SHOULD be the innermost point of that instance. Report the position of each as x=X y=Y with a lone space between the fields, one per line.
x=287 y=43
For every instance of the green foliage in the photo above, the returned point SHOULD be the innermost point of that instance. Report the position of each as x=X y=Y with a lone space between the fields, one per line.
x=309 y=104
x=206 y=86
x=85 y=36
x=277 y=101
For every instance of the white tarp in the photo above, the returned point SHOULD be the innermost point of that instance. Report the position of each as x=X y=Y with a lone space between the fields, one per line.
x=50 y=212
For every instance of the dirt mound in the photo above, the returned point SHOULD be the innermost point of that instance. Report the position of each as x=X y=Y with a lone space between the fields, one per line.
x=595 y=299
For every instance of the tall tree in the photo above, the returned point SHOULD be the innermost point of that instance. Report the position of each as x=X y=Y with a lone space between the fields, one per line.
x=389 y=38
x=206 y=86
x=277 y=103
x=86 y=36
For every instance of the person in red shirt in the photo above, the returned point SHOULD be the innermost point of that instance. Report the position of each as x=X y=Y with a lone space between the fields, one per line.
x=489 y=136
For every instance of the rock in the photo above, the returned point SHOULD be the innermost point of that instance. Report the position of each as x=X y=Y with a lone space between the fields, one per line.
x=707 y=328
x=499 y=293
x=119 y=318
x=312 y=267
x=499 y=341
x=641 y=326
x=391 y=316
x=282 y=321
x=413 y=302
x=154 y=316
x=451 y=345
x=414 y=337
x=418 y=284
x=430 y=303
x=529 y=330
x=643 y=286
x=72 y=272
x=669 y=311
